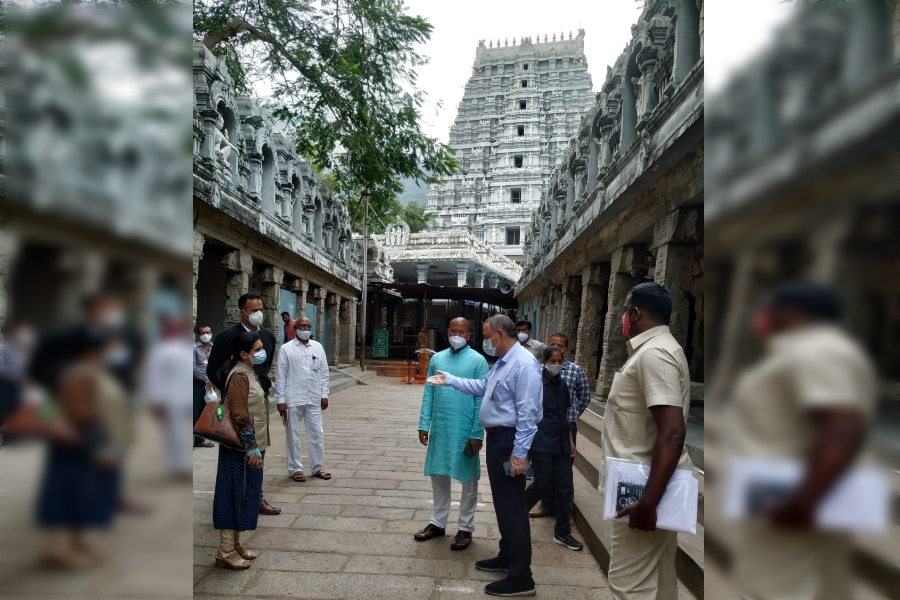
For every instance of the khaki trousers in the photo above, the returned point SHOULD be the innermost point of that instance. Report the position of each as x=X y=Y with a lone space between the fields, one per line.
x=642 y=564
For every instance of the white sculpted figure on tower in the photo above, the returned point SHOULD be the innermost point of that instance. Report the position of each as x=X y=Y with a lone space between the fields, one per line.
x=530 y=192
x=222 y=145
x=501 y=194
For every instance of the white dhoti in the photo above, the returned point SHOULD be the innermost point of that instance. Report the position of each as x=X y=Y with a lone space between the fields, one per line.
x=311 y=416
x=440 y=485
x=642 y=564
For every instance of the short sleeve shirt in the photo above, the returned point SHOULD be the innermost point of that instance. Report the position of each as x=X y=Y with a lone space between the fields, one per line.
x=815 y=367
x=655 y=374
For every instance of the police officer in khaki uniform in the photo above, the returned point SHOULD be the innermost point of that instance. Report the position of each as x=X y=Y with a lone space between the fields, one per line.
x=809 y=399
x=645 y=421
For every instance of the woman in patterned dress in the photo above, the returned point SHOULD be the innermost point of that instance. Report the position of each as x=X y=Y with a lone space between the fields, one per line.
x=240 y=472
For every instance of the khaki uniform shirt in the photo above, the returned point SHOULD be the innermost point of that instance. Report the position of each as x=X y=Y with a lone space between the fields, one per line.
x=815 y=367
x=536 y=348
x=655 y=374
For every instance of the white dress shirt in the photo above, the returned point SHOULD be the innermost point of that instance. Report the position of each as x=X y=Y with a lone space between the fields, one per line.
x=302 y=374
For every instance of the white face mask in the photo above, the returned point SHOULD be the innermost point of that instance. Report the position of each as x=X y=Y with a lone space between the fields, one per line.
x=457 y=342
x=303 y=334
x=256 y=318
x=553 y=369
x=206 y=338
x=523 y=337
x=113 y=319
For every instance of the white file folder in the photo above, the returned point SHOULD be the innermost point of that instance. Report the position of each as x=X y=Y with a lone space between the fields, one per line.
x=859 y=502
x=625 y=482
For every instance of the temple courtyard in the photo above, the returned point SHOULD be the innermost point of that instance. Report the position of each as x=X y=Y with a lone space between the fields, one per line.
x=352 y=537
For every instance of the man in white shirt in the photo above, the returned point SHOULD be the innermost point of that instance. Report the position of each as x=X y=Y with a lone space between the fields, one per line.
x=301 y=391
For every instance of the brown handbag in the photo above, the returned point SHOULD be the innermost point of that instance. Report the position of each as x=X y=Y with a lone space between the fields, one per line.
x=39 y=420
x=217 y=426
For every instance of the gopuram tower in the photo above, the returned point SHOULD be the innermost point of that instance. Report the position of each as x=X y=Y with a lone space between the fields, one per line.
x=520 y=109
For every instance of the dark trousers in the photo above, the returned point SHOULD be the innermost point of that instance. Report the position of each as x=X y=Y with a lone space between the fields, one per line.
x=553 y=479
x=548 y=500
x=509 y=506
x=199 y=404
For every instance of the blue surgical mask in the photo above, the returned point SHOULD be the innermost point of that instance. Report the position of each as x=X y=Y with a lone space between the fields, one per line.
x=259 y=358
x=488 y=347
x=118 y=356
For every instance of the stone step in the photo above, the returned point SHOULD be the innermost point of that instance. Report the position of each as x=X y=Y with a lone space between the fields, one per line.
x=597 y=532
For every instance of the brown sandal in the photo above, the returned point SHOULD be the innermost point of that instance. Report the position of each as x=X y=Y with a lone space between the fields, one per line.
x=299 y=476
x=431 y=531
x=461 y=541
x=233 y=561
x=246 y=554
x=321 y=474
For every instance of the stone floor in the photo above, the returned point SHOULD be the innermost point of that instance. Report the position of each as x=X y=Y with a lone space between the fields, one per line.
x=351 y=537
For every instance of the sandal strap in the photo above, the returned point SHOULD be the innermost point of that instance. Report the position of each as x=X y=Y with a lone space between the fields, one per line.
x=463 y=535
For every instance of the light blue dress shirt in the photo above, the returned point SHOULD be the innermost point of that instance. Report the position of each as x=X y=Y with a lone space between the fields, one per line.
x=513 y=396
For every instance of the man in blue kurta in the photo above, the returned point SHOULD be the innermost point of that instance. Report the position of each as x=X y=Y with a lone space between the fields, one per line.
x=449 y=421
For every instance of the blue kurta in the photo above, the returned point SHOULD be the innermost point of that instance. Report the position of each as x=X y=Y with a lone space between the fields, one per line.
x=451 y=417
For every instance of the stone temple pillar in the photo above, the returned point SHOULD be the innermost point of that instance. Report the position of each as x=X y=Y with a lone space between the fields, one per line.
x=567 y=310
x=298 y=287
x=199 y=241
x=674 y=239
x=347 y=352
x=479 y=277
x=84 y=271
x=271 y=278
x=462 y=270
x=422 y=272
x=621 y=280
x=239 y=265
x=594 y=293
x=493 y=280
x=319 y=294
x=333 y=302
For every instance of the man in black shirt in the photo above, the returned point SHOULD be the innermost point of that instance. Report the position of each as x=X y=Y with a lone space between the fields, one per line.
x=251 y=308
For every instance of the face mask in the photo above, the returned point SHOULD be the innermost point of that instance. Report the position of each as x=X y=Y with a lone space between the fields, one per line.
x=303 y=334
x=118 y=357
x=457 y=342
x=488 y=347
x=626 y=325
x=762 y=325
x=206 y=338
x=256 y=318
x=523 y=337
x=553 y=369
x=113 y=319
x=259 y=358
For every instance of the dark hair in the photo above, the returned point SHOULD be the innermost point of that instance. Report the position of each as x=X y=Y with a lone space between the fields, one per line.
x=549 y=350
x=242 y=301
x=502 y=323
x=523 y=322
x=817 y=301
x=653 y=298
x=286 y=313
x=562 y=335
x=199 y=327
x=243 y=342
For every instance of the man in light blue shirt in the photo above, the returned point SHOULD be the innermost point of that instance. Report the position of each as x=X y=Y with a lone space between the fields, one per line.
x=511 y=409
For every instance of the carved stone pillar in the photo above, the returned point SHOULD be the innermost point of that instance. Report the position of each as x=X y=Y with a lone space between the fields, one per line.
x=347 y=352
x=319 y=294
x=271 y=278
x=594 y=296
x=462 y=270
x=579 y=185
x=334 y=335
x=239 y=265
x=625 y=272
x=649 y=95
x=493 y=281
x=208 y=150
x=605 y=149
x=255 y=186
x=479 y=277
x=568 y=310
x=674 y=240
x=422 y=272
x=84 y=270
x=199 y=241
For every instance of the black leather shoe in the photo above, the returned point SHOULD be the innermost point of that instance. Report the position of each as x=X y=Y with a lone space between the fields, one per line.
x=493 y=564
x=507 y=588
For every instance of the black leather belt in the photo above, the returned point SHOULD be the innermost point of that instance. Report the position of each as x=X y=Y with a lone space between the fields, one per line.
x=496 y=429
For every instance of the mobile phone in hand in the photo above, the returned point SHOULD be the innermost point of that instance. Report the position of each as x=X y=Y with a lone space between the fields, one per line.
x=469 y=451
x=508 y=467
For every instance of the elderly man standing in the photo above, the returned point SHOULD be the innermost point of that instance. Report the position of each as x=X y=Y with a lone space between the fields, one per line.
x=511 y=409
x=301 y=390
x=449 y=426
